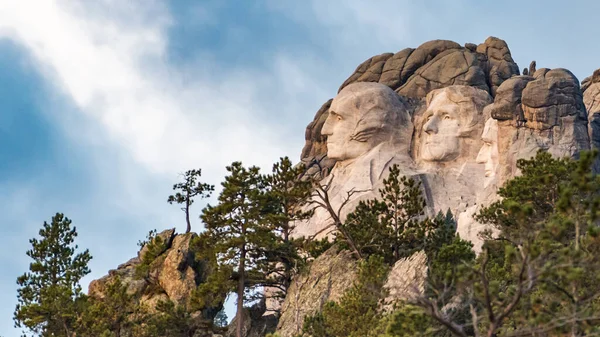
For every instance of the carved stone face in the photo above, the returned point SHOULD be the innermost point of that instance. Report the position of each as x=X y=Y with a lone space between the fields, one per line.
x=452 y=115
x=362 y=116
x=488 y=155
x=441 y=130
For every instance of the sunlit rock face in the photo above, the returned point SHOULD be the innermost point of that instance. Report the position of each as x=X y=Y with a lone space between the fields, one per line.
x=368 y=130
x=471 y=118
x=446 y=146
x=455 y=118
x=413 y=73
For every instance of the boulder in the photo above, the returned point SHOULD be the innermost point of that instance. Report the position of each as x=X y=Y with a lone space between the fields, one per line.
x=450 y=67
x=500 y=64
x=507 y=104
x=166 y=237
x=406 y=279
x=326 y=279
x=553 y=94
x=368 y=71
x=178 y=274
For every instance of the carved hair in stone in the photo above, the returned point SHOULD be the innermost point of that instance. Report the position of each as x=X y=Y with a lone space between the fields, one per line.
x=362 y=116
x=451 y=123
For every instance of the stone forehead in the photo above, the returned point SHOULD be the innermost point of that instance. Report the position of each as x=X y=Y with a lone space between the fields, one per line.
x=461 y=94
x=367 y=95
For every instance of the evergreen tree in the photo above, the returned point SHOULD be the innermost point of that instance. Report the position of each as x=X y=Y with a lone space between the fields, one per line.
x=286 y=201
x=539 y=275
x=110 y=315
x=357 y=313
x=190 y=188
x=49 y=295
x=240 y=237
x=392 y=226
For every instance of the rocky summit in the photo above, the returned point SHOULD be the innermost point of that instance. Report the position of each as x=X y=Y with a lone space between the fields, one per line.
x=454 y=118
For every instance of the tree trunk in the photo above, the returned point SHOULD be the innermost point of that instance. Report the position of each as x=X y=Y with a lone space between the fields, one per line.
x=240 y=293
x=187 y=214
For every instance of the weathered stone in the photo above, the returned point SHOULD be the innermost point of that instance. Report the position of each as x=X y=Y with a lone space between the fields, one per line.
x=369 y=129
x=451 y=67
x=507 y=103
x=392 y=70
x=316 y=143
x=423 y=54
x=166 y=237
x=327 y=278
x=406 y=279
x=371 y=69
x=500 y=64
x=553 y=94
x=172 y=276
x=256 y=322
x=177 y=276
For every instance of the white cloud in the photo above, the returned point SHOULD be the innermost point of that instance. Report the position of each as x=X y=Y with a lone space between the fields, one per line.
x=111 y=61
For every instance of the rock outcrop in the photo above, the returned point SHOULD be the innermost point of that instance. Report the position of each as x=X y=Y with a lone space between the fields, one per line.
x=414 y=72
x=172 y=275
x=473 y=117
x=327 y=279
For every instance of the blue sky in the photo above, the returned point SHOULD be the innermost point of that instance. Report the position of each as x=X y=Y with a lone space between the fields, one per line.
x=103 y=103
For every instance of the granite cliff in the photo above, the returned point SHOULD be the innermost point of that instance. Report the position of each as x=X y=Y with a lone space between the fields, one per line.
x=458 y=119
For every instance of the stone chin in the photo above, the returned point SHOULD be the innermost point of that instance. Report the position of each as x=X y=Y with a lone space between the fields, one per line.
x=438 y=152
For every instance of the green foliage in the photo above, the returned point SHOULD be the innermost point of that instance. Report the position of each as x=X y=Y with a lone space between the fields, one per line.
x=152 y=248
x=539 y=273
x=285 y=202
x=149 y=237
x=393 y=226
x=190 y=188
x=409 y=321
x=49 y=295
x=357 y=313
x=314 y=248
x=237 y=231
x=171 y=320
x=218 y=282
x=110 y=315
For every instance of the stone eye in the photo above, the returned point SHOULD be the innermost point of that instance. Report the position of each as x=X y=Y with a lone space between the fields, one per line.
x=339 y=118
x=447 y=117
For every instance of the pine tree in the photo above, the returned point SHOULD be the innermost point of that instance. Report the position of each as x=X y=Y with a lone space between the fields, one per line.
x=286 y=201
x=390 y=226
x=190 y=188
x=236 y=226
x=357 y=313
x=49 y=295
x=110 y=315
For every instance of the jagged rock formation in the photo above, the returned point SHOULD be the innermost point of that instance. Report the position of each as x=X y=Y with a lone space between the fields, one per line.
x=473 y=116
x=331 y=274
x=456 y=118
x=172 y=276
x=415 y=72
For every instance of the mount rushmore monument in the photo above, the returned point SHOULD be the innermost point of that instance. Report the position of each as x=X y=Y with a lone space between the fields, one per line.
x=456 y=118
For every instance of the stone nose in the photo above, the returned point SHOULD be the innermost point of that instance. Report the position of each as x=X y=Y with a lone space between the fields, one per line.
x=431 y=126
x=327 y=129
x=482 y=156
